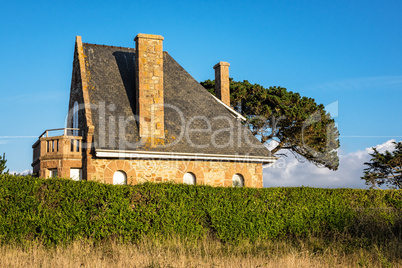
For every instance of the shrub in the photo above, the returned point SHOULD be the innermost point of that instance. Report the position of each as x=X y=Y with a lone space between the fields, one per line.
x=61 y=210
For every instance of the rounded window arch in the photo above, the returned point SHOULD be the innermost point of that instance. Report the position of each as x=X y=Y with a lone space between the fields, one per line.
x=238 y=180
x=189 y=178
x=120 y=177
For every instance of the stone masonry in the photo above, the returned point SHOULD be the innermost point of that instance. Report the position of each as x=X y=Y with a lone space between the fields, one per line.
x=222 y=82
x=214 y=173
x=59 y=153
x=149 y=61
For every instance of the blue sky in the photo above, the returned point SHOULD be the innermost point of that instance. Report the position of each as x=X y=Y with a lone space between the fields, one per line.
x=346 y=54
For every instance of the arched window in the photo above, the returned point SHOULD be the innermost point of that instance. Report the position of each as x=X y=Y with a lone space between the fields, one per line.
x=238 y=180
x=75 y=118
x=189 y=178
x=119 y=177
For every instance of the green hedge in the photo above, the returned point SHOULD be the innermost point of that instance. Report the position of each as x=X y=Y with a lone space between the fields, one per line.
x=60 y=210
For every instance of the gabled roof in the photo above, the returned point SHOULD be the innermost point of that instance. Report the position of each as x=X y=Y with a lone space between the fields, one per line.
x=111 y=77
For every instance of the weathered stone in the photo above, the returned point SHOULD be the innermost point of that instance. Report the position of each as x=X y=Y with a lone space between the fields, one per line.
x=167 y=170
x=150 y=84
x=222 y=84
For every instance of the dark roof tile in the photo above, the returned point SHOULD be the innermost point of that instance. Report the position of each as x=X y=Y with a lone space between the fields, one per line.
x=111 y=77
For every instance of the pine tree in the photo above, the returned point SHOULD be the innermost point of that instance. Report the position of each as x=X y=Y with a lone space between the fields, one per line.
x=297 y=124
x=3 y=164
x=385 y=168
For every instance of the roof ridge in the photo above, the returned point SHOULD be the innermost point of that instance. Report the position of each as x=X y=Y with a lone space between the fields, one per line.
x=107 y=46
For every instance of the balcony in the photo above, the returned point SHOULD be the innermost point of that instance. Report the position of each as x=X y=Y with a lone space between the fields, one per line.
x=57 y=144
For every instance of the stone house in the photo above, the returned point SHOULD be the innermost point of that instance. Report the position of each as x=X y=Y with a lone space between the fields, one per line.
x=136 y=115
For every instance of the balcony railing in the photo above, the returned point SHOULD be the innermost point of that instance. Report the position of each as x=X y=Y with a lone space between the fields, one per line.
x=57 y=143
x=61 y=132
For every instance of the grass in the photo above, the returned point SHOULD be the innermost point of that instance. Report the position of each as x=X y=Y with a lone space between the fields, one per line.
x=312 y=252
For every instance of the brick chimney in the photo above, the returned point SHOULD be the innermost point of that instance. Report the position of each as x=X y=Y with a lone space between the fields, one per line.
x=222 y=90
x=149 y=62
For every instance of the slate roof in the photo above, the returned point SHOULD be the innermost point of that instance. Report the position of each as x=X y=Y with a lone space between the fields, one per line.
x=111 y=78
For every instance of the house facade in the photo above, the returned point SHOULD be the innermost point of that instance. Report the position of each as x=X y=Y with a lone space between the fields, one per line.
x=136 y=115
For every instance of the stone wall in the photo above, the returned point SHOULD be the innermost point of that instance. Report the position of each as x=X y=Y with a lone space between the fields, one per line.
x=212 y=173
x=56 y=153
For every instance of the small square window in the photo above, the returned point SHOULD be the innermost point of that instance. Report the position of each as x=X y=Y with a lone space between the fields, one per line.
x=53 y=173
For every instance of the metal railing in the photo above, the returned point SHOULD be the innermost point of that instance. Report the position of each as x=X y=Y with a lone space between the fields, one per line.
x=61 y=132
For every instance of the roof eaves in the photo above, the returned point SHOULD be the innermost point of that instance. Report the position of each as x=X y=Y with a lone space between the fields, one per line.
x=230 y=109
x=182 y=156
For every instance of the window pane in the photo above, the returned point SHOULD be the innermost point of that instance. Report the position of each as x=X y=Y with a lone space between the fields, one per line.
x=189 y=178
x=119 y=177
x=76 y=174
x=238 y=180
x=52 y=173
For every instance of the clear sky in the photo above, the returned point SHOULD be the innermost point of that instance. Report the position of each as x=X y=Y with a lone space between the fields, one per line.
x=346 y=54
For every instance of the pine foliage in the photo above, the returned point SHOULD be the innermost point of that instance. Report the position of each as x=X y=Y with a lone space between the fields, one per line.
x=296 y=123
x=385 y=168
